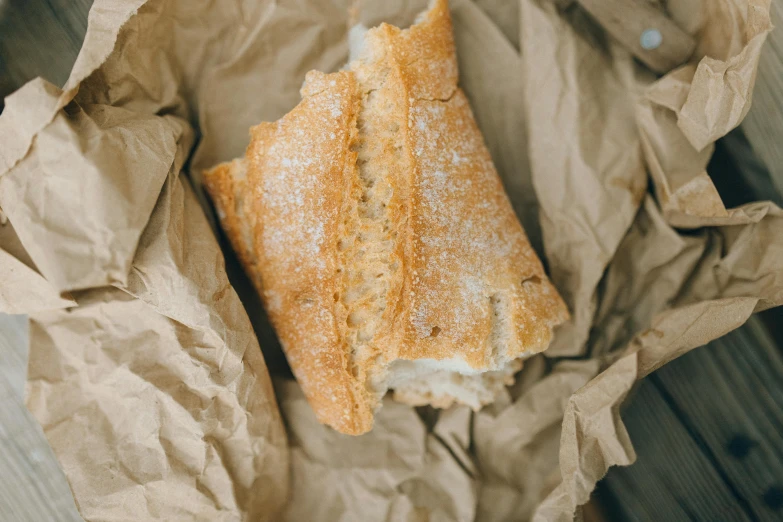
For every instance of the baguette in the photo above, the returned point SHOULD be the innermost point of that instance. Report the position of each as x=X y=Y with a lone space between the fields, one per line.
x=375 y=227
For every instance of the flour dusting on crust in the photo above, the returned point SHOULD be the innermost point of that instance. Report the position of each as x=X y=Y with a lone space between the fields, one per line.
x=377 y=231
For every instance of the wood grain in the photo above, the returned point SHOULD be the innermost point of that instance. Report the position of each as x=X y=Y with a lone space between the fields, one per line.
x=626 y=20
x=708 y=430
x=32 y=486
x=39 y=38
x=706 y=427
x=764 y=123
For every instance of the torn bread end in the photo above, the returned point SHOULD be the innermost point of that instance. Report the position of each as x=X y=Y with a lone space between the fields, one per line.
x=424 y=382
x=378 y=233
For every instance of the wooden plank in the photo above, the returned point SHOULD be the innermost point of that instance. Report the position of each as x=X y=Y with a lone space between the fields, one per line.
x=740 y=177
x=753 y=173
x=708 y=429
x=764 y=123
x=734 y=398
x=39 y=38
x=13 y=352
x=647 y=32
x=643 y=28
x=672 y=478
x=33 y=488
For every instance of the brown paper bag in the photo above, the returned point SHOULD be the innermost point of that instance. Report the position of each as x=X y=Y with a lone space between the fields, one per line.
x=145 y=372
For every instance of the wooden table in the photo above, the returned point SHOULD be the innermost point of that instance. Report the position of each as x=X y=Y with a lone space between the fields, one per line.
x=32 y=485
x=708 y=427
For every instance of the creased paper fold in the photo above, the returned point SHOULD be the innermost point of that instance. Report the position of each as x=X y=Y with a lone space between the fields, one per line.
x=144 y=370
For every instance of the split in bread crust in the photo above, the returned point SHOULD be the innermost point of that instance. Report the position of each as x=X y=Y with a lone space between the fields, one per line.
x=373 y=223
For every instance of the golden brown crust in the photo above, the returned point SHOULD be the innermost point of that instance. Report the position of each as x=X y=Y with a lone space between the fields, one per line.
x=227 y=185
x=458 y=279
x=296 y=169
x=294 y=193
x=467 y=243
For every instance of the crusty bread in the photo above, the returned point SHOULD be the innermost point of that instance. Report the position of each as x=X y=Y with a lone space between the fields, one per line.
x=377 y=231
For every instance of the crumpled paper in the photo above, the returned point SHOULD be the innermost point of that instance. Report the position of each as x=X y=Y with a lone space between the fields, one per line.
x=144 y=370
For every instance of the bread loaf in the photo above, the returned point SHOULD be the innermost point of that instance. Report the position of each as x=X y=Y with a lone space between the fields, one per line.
x=375 y=227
